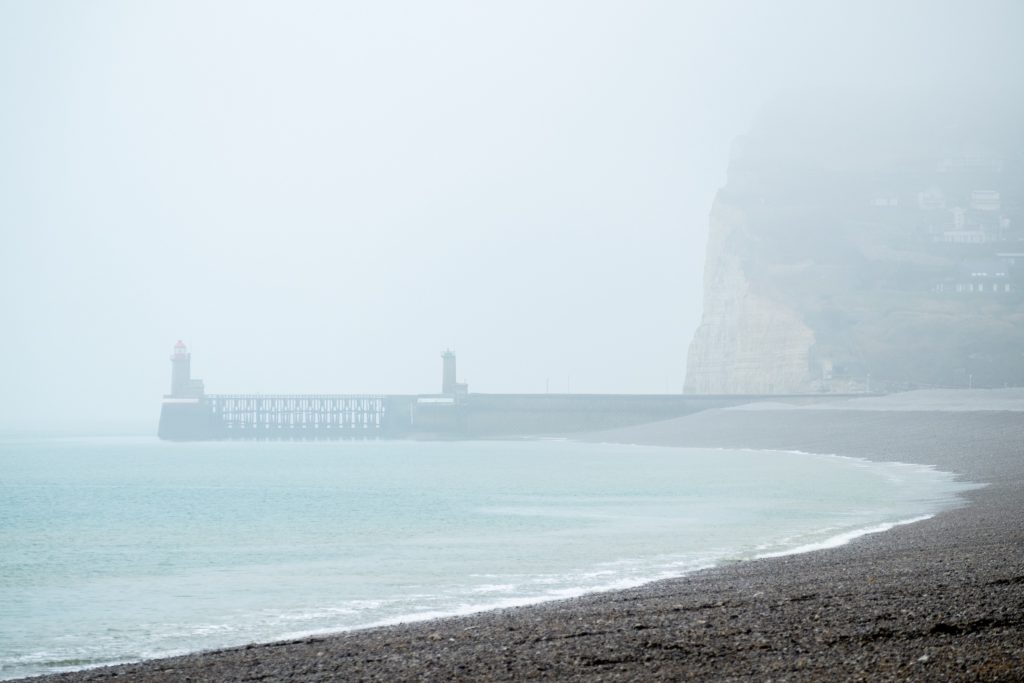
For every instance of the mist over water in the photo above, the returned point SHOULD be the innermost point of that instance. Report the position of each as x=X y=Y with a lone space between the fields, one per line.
x=126 y=548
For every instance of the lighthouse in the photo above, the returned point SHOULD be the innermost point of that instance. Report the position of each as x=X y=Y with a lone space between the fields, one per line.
x=182 y=384
x=185 y=414
x=448 y=384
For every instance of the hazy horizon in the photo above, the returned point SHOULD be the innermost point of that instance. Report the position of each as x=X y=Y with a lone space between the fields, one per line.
x=322 y=197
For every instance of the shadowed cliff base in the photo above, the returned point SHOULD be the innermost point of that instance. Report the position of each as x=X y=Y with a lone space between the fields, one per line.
x=940 y=599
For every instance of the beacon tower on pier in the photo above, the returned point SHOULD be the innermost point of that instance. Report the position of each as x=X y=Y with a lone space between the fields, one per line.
x=449 y=386
x=182 y=384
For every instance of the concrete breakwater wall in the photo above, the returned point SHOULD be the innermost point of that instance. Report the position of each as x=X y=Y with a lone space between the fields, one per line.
x=484 y=415
x=213 y=417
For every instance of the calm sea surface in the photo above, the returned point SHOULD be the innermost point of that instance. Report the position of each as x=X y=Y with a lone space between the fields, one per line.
x=115 y=549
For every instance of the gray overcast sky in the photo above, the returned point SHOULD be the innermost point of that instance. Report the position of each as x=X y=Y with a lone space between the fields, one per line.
x=322 y=196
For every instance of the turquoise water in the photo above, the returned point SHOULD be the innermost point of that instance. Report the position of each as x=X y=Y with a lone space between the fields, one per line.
x=115 y=549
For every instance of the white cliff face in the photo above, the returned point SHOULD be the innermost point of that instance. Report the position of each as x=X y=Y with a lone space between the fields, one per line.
x=747 y=343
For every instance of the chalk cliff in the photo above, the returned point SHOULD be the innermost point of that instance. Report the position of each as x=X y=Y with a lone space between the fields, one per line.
x=866 y=245
x=748 y=342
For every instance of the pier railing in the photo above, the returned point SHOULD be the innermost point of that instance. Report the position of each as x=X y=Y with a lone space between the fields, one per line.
x=242 y=415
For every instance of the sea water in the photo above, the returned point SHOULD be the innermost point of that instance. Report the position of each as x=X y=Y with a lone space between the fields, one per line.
x=118 y=549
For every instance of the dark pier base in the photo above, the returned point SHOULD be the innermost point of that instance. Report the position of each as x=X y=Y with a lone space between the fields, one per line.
x=187 y=420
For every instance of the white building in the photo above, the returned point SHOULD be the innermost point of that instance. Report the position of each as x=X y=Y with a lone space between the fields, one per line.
x=884 y=199
x=959 y=218
x=964 y=237
x=931 y=199
x=985 y=200
x=980 y=276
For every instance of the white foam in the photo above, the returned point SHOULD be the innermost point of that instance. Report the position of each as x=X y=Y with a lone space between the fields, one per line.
x=842 y=539
x=495 y=588
x=467 y=608
x=208 y=629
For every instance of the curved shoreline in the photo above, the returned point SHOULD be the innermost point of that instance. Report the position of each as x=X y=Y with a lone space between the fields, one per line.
x=941 y=598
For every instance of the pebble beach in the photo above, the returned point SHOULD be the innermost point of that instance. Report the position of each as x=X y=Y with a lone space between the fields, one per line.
x=939 y=599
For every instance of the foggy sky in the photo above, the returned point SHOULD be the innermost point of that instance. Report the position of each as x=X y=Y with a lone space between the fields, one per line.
x=321 y=196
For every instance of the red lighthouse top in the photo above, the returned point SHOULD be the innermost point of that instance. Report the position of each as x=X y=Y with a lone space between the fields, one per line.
x=179 y=349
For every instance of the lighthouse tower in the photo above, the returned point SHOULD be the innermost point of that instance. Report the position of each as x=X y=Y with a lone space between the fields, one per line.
x=448 y=384
x=182 y=384
x=448 y=372
x=184 y=413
